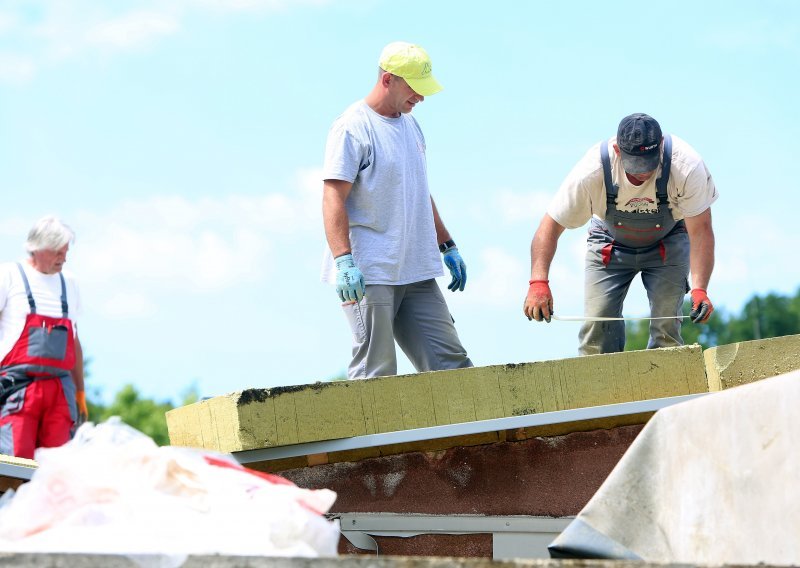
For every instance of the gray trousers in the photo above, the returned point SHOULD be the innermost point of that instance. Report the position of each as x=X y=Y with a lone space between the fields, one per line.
x=664 y=279
x=414 y=315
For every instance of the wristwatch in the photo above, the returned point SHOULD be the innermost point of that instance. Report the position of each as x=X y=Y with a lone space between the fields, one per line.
x=446 y=245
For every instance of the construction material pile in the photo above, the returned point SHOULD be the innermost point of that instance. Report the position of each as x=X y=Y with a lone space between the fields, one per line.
x=113 y=490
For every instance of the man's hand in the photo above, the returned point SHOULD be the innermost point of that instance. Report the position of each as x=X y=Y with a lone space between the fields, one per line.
x=539 y=302
x=701 y=306
x=458 y=270
x=349 y=280
x=83 y=411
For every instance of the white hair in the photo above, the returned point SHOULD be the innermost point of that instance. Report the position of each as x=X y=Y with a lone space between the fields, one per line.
x=49 y=233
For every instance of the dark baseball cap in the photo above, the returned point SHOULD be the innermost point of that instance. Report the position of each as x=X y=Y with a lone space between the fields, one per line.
x=639 y=140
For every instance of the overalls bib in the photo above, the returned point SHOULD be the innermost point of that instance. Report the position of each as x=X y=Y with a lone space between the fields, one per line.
x=628 y=243
x=45 y=350
x=631 y=229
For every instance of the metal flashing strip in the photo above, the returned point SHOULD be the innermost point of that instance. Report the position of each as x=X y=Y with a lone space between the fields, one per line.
x=460 y=429
x=16 y=471
x=512 y=536
x=375 y=523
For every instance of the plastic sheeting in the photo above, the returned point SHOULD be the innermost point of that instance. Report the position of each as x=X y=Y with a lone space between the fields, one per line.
x=112 y=490
x=715 y=480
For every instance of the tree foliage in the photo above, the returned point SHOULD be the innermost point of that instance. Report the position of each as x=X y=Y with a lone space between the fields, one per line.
x=772 y=315
x=146 y=415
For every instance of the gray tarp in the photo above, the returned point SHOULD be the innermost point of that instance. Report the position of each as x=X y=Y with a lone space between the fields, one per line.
x=713 y=480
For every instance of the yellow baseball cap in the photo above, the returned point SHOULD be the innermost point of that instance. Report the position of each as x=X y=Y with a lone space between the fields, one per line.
x=412 y=63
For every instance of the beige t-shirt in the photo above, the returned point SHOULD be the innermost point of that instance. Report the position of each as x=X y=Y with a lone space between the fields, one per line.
x=690 y=189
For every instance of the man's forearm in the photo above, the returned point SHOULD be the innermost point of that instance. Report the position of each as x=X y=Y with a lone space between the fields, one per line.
x=701 y=249
x=442 y=234
x=543 y=247
x=77 y=370
x=335 y=219
x=701 y=260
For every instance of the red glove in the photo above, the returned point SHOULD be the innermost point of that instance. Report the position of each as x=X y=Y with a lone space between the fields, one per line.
x=83 y=411
x=539 y=302
x=701 y=306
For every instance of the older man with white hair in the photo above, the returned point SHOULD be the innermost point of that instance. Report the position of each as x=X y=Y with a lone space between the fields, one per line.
x=42 y=395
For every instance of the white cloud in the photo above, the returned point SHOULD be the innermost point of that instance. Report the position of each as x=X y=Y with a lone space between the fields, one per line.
x=132 y=30
x=65 y=30
x=754 y=255
x=498 y=282
x=126 y=305
x=498 y=277
x=16 y=69
x=756 y=34
x=253 y=5
x=142 y=249
x=515 y=207
x=13 y=231
x=8 y=22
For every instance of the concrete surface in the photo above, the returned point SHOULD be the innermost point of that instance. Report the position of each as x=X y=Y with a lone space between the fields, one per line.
x=740 y=363
x=107 y=561
x=262 y=418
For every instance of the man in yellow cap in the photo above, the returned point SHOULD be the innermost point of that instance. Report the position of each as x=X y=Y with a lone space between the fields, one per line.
x=383 y=230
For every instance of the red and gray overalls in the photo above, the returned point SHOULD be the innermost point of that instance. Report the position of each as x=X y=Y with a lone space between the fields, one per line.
x=36 y=387
x=628 y=243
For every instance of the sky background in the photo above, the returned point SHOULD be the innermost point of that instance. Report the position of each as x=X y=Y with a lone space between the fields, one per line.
x=183 y=141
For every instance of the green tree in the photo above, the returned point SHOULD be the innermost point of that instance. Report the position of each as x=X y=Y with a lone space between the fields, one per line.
x=770 y=316
x=146 y=415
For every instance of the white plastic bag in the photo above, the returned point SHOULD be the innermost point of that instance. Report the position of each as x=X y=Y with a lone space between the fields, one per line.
x=113 y=490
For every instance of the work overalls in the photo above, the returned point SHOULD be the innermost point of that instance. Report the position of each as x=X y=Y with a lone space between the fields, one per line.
x=36 y=387
x=627 y=243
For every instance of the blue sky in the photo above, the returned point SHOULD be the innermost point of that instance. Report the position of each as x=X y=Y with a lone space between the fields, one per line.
x=183 y=140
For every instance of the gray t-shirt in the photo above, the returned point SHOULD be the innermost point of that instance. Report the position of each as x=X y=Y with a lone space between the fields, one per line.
x=391 y=219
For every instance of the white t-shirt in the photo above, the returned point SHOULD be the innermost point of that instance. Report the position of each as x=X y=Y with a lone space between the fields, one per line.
x=582 y=194
x=46 y=290
x=389 y=207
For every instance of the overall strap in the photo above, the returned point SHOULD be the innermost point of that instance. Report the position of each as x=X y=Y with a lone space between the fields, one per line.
x=611 y=189
x=64 y=306
x=31 y=303
x=661 y=183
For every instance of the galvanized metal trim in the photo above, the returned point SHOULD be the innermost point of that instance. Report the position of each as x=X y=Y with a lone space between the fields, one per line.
x=16 y=471
x=512 y=536
x=378 y=523
x=361 y=540
x=460 y=429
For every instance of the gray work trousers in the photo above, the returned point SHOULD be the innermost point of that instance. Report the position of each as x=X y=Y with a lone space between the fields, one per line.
x=416 y=316
x=606 y=285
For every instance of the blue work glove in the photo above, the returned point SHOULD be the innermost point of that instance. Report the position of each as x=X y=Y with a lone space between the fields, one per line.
x=349 y=280
x=458 y=270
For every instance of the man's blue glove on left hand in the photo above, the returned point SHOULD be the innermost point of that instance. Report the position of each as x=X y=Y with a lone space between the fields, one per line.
x=458 y=270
